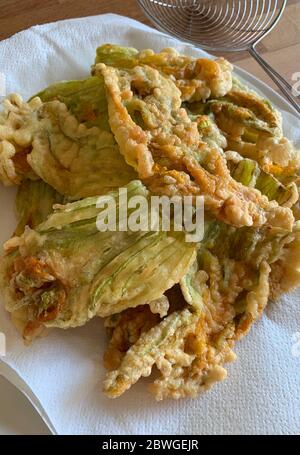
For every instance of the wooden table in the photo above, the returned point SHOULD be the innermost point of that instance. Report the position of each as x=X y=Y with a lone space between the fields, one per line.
x=281 y=48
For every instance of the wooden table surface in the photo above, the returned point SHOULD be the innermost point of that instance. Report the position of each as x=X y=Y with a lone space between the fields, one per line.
x=281 y=48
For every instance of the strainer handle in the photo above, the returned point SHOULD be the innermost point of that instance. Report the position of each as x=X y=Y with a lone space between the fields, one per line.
x=284 y=86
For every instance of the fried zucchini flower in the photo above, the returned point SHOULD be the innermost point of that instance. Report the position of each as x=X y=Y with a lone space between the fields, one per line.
x=66 y=271
x=16 y=136
x=224 y=292
x=252 y=128
x=158 y=138
x=183 y=126
x=197 y=79
x=34 y=202
x=65 y=140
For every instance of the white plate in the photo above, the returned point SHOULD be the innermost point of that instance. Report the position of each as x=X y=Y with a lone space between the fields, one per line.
x=17 y=415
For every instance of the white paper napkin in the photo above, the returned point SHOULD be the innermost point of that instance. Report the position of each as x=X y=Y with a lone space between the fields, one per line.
x=62 y=374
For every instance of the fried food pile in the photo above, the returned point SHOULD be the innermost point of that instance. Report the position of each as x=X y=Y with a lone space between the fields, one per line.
x=159 y=124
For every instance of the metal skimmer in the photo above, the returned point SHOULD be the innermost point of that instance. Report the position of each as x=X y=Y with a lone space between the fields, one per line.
x=219 y=25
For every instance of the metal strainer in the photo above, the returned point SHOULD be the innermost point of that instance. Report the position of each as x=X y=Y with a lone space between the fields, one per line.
x=222 y=25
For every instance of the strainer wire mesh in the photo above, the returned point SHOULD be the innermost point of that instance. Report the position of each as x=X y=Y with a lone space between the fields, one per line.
x=218 y=25
x=222 y=25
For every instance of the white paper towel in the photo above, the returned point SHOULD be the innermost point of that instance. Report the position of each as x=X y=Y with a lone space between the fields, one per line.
x=62 y=373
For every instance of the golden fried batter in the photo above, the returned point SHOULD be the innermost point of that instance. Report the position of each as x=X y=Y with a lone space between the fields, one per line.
x=16 y=135
x=190 y=346
x=185 y=126
x=129 y=326
x=163 y=139
x=197 y=79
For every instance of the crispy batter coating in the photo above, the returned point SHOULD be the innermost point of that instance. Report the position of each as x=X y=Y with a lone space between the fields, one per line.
x=190 y=346
x=141 y=357
x=183 y=126
x=197 y=79
x=225 y=292
x=45 y=140
x=125 y=329
x=285 y=274
x=254 y=129
x=248 y=109
x=16 y=135
x=67 y=271
x=165 y=148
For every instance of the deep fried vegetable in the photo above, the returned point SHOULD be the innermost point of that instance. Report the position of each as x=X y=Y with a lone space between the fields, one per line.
x=85 y=99
x=125 y=329
x=16 y=135
x=34 y=202
x=249 y=173
x=164 y=146
x=184 y=126
x=148 y=350
x=66 y=271
x=75 y=159
x=197 y=79
x=225 y=290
